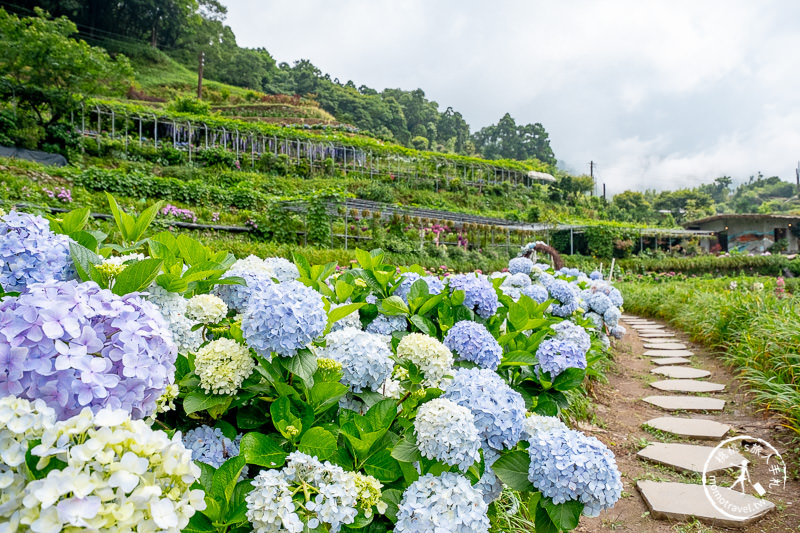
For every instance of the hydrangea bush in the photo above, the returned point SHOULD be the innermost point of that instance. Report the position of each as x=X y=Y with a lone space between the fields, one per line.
x=398 y=401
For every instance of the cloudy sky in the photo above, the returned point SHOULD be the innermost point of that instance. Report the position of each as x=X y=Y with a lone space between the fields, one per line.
x=659 y=93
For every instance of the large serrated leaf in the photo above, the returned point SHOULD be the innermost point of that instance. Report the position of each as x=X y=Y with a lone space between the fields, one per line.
x=512 y=469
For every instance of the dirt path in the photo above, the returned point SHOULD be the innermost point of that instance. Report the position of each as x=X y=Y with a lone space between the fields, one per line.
x=620 y=414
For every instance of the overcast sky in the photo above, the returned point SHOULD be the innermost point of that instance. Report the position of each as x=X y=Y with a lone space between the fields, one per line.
x=660 y=94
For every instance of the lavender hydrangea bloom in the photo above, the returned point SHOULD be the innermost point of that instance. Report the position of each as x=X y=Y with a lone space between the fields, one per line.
x=365 y=358
x=537 y=292
x=520 y=265
x=570 y=272
x=77 y=345
x=567 y=465
x=555 y=356
x=479 y=292
x=210 y=446
x=446 y=503
x=30 y=252
x=282 y=318
x=618 y=332
x=283 y=269
x=498 y=409
x=472 y=341
x=595 y=275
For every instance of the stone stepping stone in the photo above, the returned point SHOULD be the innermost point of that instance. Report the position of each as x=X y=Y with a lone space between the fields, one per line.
x=668 y=500
x=642 y=325
x=689 y=457
x=686 y=403
x=657 y=336
x=681 y=372
x=668 y=353
x=653 y=332
x=664 y=345
x=687 y=385
x=670 y=360
x=698 y=428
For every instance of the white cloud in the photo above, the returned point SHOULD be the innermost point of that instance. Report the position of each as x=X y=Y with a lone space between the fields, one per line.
x=663 y=93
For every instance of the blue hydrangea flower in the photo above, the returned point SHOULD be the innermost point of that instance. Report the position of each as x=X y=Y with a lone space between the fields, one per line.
x=407 y=280
x=282 y=318
x=596 y=319
x=499 y=410
x=446 y=432
x=75 y=345
x=446 y=503
x=618 y=332
x=571 y=332
x=30 y=252
x=537 y=292
x=570 y=272
x=612 y=316
x=489 y=485
x=210 y=446
x=256 y=274
x=597 y=301
x=366 y=359
x=480 y=295
x=567 y=465
x=387 y=324
x=520 y=265
x=595 y=275
x=472 y=341
x=435 y=285
x=563 y=293
x=555 y=356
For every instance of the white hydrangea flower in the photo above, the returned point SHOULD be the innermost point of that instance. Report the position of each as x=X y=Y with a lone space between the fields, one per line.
x=206 y=308
x=222 y=365
x=446 y=432
x=429 y=355
x=534 y=423
x=173 y=309
x=120 y=475
x=331 y=496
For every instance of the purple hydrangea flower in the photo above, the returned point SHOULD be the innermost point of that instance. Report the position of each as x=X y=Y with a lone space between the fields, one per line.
x=76 y=345
x=480 y=295
x=473 y=342
x=30 y=252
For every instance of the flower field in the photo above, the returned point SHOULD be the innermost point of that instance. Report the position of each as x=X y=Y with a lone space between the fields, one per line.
x=150 y=383
x=753 y=321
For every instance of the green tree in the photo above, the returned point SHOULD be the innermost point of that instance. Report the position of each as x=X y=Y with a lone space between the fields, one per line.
x=631 y=206
x=507 y=140
x=46 y=73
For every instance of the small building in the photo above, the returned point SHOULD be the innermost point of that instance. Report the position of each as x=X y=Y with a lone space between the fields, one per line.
x=753 y=233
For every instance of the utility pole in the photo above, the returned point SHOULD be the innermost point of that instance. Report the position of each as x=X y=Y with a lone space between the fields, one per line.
x=604 y=192
x=201 y=61
x=797 y=173
x=591 y=173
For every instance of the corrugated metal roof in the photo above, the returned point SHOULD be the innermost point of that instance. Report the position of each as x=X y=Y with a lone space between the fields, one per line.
x=740 y=216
